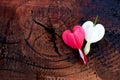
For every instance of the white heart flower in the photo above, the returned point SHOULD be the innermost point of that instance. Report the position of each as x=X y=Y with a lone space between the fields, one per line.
x=93 y=33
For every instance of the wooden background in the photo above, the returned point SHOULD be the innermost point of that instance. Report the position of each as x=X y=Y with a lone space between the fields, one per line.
x=31 y=47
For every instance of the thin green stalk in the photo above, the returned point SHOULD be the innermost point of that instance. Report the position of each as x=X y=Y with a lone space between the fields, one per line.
x=96 y=20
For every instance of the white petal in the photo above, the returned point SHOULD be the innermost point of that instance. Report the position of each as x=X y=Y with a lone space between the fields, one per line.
x=93 y=33
x=87 y=24
x=99 y=32
x=88 y=28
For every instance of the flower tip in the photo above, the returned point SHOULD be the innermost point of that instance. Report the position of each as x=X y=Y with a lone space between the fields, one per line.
x=83 y=56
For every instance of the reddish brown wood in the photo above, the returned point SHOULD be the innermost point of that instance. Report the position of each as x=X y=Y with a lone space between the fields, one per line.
x=29 y=51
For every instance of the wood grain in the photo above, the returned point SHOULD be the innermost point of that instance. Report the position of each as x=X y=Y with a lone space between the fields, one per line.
x=31 y=47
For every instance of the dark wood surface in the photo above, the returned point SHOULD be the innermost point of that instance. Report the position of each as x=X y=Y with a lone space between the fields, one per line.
x=31 y=47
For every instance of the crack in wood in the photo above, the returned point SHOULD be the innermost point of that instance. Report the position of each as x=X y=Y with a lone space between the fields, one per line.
x=51 y=31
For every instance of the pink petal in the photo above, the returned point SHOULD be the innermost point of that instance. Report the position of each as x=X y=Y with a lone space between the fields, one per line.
x=69 y=39
x=79 y=35
x=74 y=39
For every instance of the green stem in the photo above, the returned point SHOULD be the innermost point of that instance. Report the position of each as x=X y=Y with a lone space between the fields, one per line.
x=87 y=48
x=96 y=20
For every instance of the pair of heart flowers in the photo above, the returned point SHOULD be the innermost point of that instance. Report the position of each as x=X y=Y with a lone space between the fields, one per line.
x=89 y=31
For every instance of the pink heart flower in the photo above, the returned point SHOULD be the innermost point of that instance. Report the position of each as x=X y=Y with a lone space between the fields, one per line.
x=75 y=39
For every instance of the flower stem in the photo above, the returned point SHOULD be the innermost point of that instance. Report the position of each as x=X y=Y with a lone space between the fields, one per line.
x=87 y=48
x=96 y=20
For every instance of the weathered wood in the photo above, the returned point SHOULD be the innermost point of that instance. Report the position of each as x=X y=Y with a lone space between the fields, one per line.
x=31 y=47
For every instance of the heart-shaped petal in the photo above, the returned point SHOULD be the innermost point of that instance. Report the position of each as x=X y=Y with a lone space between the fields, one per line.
x=93 y=33
x=74 y=38
x=69 y=39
